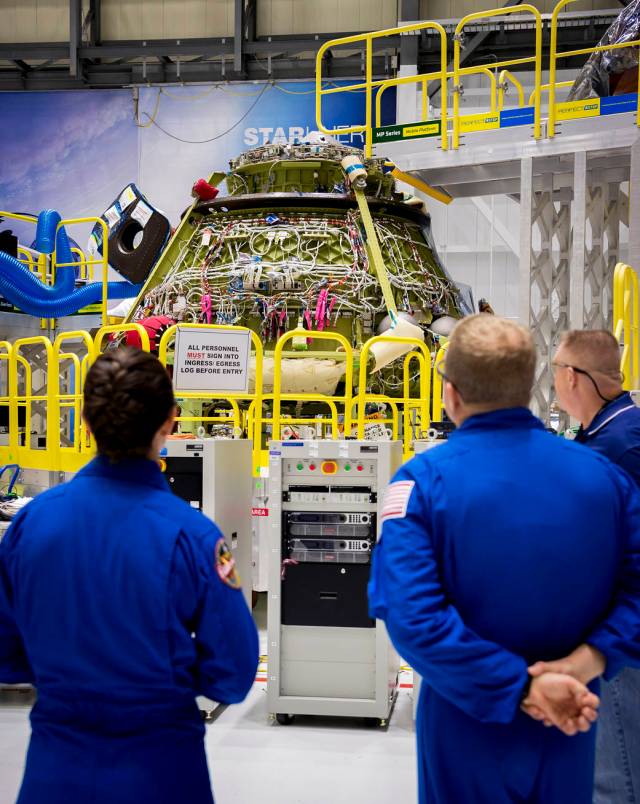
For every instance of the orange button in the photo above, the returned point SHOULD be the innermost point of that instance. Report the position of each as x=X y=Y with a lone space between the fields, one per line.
x=329 y=467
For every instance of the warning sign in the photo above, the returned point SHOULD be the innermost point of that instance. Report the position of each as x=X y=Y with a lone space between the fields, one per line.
x=210 y=359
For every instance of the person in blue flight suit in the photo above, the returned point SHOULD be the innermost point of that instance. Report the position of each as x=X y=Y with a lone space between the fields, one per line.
x=589 y=387
x=504 y=546
x=121 y=603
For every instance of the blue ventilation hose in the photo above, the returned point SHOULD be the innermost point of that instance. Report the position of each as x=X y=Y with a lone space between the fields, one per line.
x=17 y=286
x=46 y=242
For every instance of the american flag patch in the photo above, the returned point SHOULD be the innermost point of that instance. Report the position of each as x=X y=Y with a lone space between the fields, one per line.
x=396 y=500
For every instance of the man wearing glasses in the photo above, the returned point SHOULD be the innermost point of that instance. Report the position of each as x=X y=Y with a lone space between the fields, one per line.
x=589 y=387
x=502 y=547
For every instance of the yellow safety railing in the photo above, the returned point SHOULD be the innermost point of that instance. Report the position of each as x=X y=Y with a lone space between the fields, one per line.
x=255 y=433
x=437 y=405
x=535 y=59
x=89 y=263
x=120 y=329
x=394 y=421
x=504 y=80
x=5 y=352
x=586 y=51
x=626 y=317
x=83 y=263
x=278 y=396
x=81 y=442
x=369 y=84
x=425 y=79
x=423 y=356
x=545 y=88
x=27 y=455
x=25 y=256
x=333 y=422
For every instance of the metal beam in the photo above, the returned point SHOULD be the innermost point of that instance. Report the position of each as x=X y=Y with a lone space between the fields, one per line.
x=102 y=76
x=87 y=60
x=634 y=207
x=95 y=21
x=75 y=37
x=251 y=17
x=238 y=36
x=577 y=265
x=409 y=10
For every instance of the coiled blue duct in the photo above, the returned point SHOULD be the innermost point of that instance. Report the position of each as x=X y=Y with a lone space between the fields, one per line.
x=17 y=285
x=48 y=221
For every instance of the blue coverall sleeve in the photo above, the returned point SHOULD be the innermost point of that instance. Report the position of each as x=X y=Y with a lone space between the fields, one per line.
x=618 y=637
x=14 y=664
x=225 y=635
x=480 y=677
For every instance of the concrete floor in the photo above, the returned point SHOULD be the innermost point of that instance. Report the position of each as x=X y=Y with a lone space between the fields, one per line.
x=312 y=761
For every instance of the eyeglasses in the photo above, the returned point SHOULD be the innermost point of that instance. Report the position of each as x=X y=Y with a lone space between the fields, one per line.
x=555 y=365
x=443 y=376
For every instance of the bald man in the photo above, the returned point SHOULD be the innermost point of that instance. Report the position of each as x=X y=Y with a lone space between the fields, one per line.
x=504 y=546
x=589 y=387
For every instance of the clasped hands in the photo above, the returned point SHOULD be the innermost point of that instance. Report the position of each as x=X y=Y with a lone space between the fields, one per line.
x=558 y=695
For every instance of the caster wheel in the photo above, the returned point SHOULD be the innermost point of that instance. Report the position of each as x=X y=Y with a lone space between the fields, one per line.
x=284 y=720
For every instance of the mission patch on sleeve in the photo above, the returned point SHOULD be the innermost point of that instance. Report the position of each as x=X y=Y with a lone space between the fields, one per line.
x=226 y=565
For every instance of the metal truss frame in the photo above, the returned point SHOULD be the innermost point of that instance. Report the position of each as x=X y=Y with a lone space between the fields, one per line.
x=86 y=61
x=572 y=213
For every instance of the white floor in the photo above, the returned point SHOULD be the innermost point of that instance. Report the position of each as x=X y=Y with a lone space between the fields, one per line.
x=312 y=761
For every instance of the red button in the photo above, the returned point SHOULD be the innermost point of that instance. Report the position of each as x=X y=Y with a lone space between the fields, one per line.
x=312 y=466
x=359 y=468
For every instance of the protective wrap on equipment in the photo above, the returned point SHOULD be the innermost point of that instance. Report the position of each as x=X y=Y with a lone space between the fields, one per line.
x=603 y=73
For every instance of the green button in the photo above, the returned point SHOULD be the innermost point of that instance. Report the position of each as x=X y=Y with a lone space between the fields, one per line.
x=300 y=467
x=347 y=467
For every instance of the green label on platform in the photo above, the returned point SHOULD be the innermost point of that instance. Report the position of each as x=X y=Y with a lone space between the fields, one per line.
x=407 y=131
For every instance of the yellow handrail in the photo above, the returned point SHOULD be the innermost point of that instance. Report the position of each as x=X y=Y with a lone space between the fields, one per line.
x=438 y=406
x=503 y=83
x=415 y=343
x=626 y=317
x=108 y=329
x=277 y=377
x=81 y=367
x=27 y=257
x=74 y=399
x=425 y=79
x=52 y=449
x=85 y=266
x=395 y=415
x=537 y=60
x=545 y=88
x=103 y=261
x=369 y=84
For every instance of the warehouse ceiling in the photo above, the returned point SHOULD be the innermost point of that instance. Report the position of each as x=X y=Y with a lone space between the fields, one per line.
x=87 y=61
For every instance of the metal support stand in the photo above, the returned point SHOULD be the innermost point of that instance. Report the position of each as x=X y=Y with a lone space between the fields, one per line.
x=571 y=213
